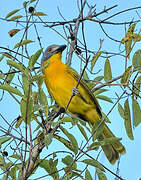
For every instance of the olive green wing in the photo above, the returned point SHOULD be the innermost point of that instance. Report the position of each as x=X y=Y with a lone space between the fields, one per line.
x=83 y=84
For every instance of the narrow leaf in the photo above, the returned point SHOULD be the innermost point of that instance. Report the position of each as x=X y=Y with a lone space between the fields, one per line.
x=71 y=138
x=95 y=58
x=65 y=142
x=121 y=110
x=136 y=61
x=127 y=120
x=15 y=18
x=68 y=160
x=136 y=113
x=9 y=77
x=11 y=89
x=88 y=175
x=126 y=76
x=105 y=98
x=43 y=101
x=83 y=131
x=24 y=42
x=16 y=65
x=94 y=163
x=101 y=175
x=99 y=91
x=33 y=59
x=11 y=13
x=107 y=71
x=137 y=86
x=39 y=14
x=4 y=140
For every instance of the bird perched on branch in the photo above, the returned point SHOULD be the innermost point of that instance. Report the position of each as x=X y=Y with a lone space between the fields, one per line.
x=60 y=80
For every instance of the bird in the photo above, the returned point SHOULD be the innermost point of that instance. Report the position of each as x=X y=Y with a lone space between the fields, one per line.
x=60 y=80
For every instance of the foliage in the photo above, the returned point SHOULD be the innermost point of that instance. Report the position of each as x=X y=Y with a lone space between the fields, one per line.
x=40 y=127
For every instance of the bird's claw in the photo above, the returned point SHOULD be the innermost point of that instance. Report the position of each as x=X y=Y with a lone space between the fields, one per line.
x=75 y=91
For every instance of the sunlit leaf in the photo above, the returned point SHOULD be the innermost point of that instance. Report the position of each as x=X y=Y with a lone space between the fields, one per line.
x=126 y=76
x=85 y=76
x=25 y=83
x=94 y=59
x=1 y=58
x=127 y=120
x=13 y=172
x=13 y=32
x=136 y=113
x=15 y=156
x=6 y=54
x=24 y=42
x=88 y=175
x=48 y=139
x=10 y=76
x=4 y=140
x=136 y=61
x=107 y=71
x=101 y=175
x=15 y=18
x=33 y=59
x=10 y=89
x=105 y=98
x=16 y=65
x=39 y=14
x=11 y=13
x=94 y=163
x=99 y=91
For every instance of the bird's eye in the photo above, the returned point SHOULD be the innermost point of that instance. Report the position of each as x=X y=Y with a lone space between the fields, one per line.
x=49 y=50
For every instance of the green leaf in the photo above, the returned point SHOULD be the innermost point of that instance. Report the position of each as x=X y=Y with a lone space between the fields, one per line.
x=1 y=58
x=93 y=162
x=4 y=140
x=99 y=91
x=10 y=77
x=71 y=138
x=83 y=131
x=105 y=98
x=107 y=71
x=65 y=142
x=24 y=42
x=85 y=76
x=97 y=129
x=137 y=86
x=26 y=83
x=13 y=172
x=127 y=120
x=136 y=113
x=101 y=175
x=26 y=107
x=16 y=65
x=121 y=110
x=104 y=142
x=33 y=59
x=126 y=76
x=10 y=89
x=95 y=58
x=50 y=167
x=48 y=139
x=98 y=78
x=88 y=175
x=136 y=61
x=43 y=101
x=11 y=13
x=39 y=14
x=15 y=156
x=68 y=160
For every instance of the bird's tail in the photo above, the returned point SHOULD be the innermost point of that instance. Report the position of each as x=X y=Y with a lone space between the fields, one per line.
x=113 y=150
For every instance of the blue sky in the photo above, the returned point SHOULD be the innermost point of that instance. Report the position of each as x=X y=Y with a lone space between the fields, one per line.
x=130 y=163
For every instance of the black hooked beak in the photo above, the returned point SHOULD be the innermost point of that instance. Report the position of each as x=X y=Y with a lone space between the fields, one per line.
x=61 y=48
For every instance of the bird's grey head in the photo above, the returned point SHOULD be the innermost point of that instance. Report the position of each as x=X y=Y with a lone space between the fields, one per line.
x=50 y=50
